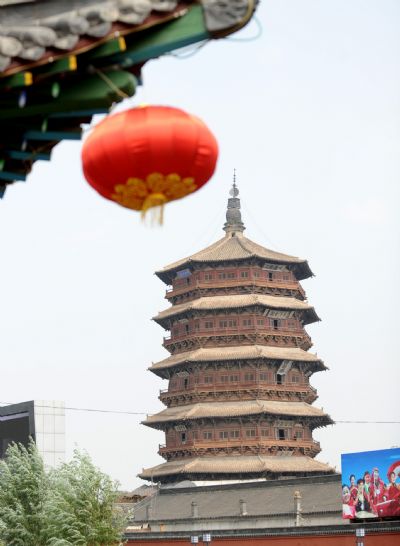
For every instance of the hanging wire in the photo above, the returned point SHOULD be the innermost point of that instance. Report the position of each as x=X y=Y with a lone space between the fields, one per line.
x=122 y=412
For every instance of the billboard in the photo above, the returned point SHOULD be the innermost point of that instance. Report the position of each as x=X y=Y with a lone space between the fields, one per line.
x=371 y=484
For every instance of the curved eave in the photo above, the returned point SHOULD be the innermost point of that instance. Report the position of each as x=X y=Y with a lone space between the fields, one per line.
x=223 y=355
x=225 y=303
x=235 y=410
x=237 y=467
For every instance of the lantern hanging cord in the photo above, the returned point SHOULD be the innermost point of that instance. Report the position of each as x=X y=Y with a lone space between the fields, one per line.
x=110 y=83
x=250 y=38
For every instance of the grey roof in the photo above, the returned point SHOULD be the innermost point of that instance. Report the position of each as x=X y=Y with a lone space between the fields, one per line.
x=319 y=494
x=30 y=29
x=233 y=249
x=236 y=301
x=235 y=409
x=243 y=352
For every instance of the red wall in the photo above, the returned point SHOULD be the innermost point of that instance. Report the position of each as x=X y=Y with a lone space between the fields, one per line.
x=386 y=539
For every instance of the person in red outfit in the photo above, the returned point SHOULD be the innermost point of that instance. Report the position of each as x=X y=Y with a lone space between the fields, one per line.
x=376 y=490
x=349 y=511
x=392 y=494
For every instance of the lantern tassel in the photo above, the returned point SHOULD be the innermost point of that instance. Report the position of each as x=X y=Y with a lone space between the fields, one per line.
x=156 y=202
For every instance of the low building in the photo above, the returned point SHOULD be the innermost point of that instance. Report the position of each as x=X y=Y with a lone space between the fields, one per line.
x=299 y=512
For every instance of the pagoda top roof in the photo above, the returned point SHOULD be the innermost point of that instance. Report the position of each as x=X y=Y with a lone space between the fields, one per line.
x=262 y=464
x=238 y=353
x=238 y=301
x=236 y=247
x=236 y=409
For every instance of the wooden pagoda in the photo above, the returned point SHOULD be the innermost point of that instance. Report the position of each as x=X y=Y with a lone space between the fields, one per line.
x=239 y=399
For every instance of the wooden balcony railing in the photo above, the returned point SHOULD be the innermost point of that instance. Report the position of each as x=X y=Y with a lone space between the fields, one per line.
x=258 y=330
x=234 y=283
x=241 y=442
x=239 y=388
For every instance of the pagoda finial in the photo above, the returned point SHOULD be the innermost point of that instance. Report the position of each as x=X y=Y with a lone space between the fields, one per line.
x=234 y=222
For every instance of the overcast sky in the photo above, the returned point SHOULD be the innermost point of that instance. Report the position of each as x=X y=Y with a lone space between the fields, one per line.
x=309 y=114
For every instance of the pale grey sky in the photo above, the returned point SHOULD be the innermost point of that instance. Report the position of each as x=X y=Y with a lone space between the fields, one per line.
x=309 y=114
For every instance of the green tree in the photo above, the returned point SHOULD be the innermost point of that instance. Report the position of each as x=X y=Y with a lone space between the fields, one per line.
x=73 y=505
x=81 y=506
x=23 y=495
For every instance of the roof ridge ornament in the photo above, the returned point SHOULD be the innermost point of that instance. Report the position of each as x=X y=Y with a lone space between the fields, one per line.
x=233 y=222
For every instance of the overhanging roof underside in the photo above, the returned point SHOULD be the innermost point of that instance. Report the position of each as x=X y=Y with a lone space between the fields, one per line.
x=244 y=352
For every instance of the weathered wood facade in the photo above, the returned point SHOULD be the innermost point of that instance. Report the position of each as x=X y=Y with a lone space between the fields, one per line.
x=239 y=371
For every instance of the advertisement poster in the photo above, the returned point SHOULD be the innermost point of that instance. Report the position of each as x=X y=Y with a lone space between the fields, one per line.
x=371 y=484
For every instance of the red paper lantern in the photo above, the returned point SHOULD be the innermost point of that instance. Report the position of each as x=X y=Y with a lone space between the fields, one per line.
x=147 y=156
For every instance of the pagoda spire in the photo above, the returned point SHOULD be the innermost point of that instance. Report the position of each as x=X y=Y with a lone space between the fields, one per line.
x=234 y=222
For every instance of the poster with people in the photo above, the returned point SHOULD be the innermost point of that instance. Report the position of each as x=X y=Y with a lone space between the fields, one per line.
x=371 y=484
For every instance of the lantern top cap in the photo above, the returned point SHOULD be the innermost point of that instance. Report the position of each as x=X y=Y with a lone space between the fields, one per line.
x=233 y=222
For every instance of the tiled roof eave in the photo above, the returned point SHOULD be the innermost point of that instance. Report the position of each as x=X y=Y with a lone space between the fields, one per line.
x=233 y=410
x=238 y=301
x=231 y=354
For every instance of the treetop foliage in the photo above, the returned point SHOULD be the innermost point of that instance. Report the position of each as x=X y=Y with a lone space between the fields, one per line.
x=73 y=505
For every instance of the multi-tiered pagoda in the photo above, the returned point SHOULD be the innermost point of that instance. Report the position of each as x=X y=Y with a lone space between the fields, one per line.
x=239 y=399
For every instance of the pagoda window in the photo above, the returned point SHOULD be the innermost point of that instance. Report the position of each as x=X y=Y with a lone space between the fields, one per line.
x=270 y=276
x=247 y=322
x=209 y=324
x=195 y=435
x=286 y=276
x=275 y=323
x=234 y=378
x=224 y=378
x=244 y=274
x=223 y=324
x=187 y=329
x=208 y=379
x=232 y=323
x=207 y=435
x=281 y=434
x=222 y=275
x=251 y=433
x=231 y=275
x=295 y=378
x=234 y=433
x=263 y=376
x=265 y=432
x=280 y=379
x=186 y=383
x=183 y=437
x=208 y=276
x=260 y=322
x=249 y=376
x=223 y=434
x=298 y=434
x=256 y=274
